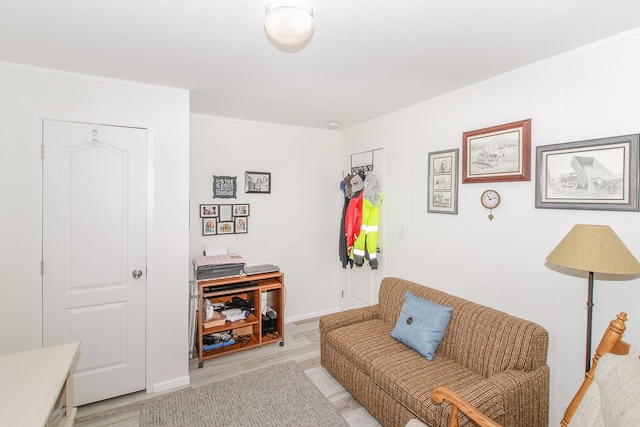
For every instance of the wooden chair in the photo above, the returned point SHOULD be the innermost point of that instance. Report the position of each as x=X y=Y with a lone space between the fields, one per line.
x=611 y=342
x=440 y=394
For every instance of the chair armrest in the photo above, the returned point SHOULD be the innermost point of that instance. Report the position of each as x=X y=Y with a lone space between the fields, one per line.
x=440 y=394
x=332 y=321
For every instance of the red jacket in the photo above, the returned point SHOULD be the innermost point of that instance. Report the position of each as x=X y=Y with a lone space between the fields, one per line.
x=353 y=221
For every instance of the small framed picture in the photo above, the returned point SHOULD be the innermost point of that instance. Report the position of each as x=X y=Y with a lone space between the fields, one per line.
x=225 y=213
x=597 y=174
x=498 y=153
x=224 y=187
x=226 y=227
x=442 y=182
x=241 y=210
x=241 y=224
x=208 y=211
x=257 y=182
x=209 y=227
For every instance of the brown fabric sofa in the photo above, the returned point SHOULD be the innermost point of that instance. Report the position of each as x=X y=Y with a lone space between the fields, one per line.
x=496 y=361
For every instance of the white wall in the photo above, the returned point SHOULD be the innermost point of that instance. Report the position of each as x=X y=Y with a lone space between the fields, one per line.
x=296 y=225
x=589 y=93
x=27 y=95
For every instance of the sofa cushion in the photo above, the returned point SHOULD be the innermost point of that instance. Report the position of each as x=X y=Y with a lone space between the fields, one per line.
x=421 y=324
x=410 y=378
x=364 y=342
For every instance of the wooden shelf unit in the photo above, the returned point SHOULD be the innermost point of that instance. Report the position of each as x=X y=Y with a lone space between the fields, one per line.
x=248 y=332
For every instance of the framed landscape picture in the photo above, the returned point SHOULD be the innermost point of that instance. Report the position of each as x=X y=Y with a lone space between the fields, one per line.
x=597 y=174
x=498 y=153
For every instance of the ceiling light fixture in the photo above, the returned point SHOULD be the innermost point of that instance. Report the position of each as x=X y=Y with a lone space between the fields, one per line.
x=333 y=124
x=289 y=26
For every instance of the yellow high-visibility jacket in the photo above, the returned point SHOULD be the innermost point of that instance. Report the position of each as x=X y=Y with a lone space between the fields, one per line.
x=367 y=242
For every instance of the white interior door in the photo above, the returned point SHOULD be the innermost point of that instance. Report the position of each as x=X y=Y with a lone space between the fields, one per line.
x=361 y=284
x=94 y=252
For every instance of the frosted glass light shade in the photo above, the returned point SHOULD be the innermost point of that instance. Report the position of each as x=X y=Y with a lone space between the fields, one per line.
x=289 y=25
x=595 y=248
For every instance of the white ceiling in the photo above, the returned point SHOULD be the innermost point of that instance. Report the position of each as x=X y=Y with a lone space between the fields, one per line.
x=366 y=58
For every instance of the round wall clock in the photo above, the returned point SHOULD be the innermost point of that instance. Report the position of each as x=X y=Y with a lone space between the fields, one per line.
x=490 y=199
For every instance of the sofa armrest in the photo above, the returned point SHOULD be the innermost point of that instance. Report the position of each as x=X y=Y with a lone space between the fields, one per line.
x=525 y=395
x=332 y=321
x=513 y=397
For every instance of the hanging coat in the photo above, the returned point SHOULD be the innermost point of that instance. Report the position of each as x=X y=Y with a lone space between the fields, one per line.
x=366 y=245
x=351 y=186
x=353 y=222
x=343 y=254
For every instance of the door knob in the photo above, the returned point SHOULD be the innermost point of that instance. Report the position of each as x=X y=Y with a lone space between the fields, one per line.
x=136 y=274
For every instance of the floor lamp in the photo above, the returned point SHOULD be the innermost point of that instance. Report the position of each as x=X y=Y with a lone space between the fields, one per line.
x=595 y=249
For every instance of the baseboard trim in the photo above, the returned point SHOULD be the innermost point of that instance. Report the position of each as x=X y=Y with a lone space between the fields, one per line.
x=291 y=319
x=170 y=385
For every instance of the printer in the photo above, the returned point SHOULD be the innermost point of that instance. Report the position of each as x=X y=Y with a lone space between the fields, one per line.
x=214 y=266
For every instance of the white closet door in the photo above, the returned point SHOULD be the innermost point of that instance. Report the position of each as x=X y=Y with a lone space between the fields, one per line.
x=361 y=284
x=94 y=252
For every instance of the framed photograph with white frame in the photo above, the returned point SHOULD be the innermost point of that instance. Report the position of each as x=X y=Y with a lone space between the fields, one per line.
x=497 y=153
x=209 y=227
x=241 y=210
x=442 y=182
x=241 y=224
x=225 y=227
x=257 y=182
x=595 y=174
x=208 y=211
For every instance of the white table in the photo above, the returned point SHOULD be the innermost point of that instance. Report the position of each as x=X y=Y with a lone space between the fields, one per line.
x=31 y=382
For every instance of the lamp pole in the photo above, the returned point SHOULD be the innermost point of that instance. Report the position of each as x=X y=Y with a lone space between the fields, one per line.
x=593 y=248
x=589 y=321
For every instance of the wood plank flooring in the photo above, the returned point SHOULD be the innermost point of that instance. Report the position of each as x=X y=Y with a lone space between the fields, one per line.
x=302 y=344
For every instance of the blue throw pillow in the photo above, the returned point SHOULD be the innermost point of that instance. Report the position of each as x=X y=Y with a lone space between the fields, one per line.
x=421 y=324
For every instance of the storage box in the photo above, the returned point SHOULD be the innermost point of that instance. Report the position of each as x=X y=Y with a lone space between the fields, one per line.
x=218 y=319
x=245 y=330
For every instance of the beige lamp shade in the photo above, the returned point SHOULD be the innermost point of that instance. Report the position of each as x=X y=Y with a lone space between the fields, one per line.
x=594 y=248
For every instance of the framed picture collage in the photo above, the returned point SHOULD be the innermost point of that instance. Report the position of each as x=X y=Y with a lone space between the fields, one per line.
x=218 y=219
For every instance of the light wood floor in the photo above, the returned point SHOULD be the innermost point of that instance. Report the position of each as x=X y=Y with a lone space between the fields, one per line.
x=302 y=344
